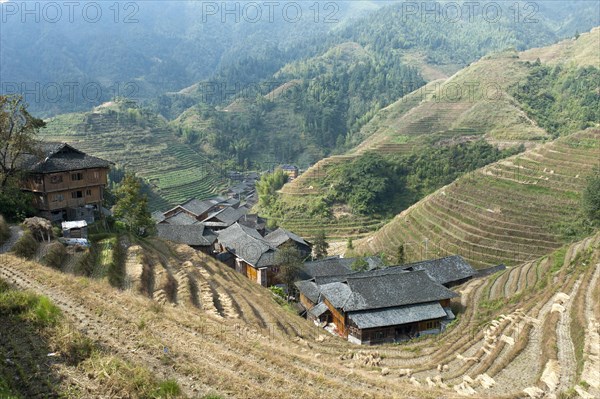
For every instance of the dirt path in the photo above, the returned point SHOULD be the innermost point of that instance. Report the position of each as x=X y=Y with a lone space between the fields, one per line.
x=591 y=366
x=566 y=351
x=15 y=233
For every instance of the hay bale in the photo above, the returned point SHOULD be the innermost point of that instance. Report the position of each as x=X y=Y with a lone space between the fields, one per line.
x=561 y=298
x=557 y=308
x=551 y=374
x=486 y=381
x=534 y=392
x=509 y=340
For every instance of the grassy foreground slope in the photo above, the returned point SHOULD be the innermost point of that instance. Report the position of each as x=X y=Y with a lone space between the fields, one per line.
x=511 y=211
x=141 y=142
x=237 y=342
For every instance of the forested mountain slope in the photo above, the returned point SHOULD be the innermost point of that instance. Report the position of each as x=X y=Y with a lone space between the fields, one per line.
x=502 y=99
x=361 y=67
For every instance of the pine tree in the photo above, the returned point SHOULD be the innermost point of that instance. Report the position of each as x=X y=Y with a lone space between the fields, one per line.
x=401 y=257
x=320 y=245
x=132 y=207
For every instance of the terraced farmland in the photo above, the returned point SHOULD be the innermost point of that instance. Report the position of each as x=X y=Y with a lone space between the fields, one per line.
x=227 y=335
x=509 y=212
x=148 y=147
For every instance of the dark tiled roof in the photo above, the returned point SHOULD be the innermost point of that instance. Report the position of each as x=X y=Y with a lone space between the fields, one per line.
x=336 y=293
x=227 y=216
x=444 y=270
x=394 y=290
x=309 y=289
x=194 y=235
x=397 y=315
x=335 y=267
x=158 y=216
x=198 y=207
x=60 y=157
x=280 y=236
x=384 y=291
x=318 y=310
x=252 y=221
x=247 y=244
x=180 y=219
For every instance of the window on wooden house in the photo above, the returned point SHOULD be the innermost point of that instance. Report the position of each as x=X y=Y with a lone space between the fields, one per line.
x=37 y=179
x=88 y=193
x=56 y=179
x=58 y=198
x=77 y=194
x=77 y=176
x=95 y=176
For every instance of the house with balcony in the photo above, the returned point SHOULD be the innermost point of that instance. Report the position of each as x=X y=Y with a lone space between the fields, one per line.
x=67 y=184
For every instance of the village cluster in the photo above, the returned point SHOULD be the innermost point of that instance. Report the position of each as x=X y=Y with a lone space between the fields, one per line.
x=376 y=305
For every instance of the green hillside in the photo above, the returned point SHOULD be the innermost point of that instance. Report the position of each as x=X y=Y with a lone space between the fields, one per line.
x=498 y=100
x=508 y=212
x=139 y=141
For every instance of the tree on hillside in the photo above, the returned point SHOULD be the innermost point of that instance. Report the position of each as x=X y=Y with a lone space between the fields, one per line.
x=18 y=130
x=132 y=207
x=320 y=245
x=350 y=244
x=268 y=185
x=401 y=256
x=591 y=197
x=359 y=265
x=289 y=260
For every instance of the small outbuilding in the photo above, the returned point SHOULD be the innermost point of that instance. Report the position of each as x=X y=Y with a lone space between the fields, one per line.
x=75 y=229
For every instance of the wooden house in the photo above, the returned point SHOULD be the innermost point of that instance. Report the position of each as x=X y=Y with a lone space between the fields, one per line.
x=254 y=257
x=66 y=183
x=224 y=217
x=76 y=229
x=196 y=236
x=290 y=170
x=199 y=210
x=281 y=237
x=387 y=307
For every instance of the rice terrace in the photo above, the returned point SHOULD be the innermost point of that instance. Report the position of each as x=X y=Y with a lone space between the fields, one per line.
x=289 y=200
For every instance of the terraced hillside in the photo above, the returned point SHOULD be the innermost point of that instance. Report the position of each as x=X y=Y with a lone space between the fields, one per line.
x=143 y=143
x=509 y=212
x=473 y=103
x=222 y=334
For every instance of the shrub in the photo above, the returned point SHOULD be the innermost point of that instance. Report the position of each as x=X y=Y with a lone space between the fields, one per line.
x=55 y=255
x=26 y=246
x=116 y=269
x=4 y=230
x=168 y=389
x=85 y=264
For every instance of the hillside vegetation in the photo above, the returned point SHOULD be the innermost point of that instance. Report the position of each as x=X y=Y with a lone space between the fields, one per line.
x=143 y=143
x=508 y=212
x=228 y=337
x=498 y=99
